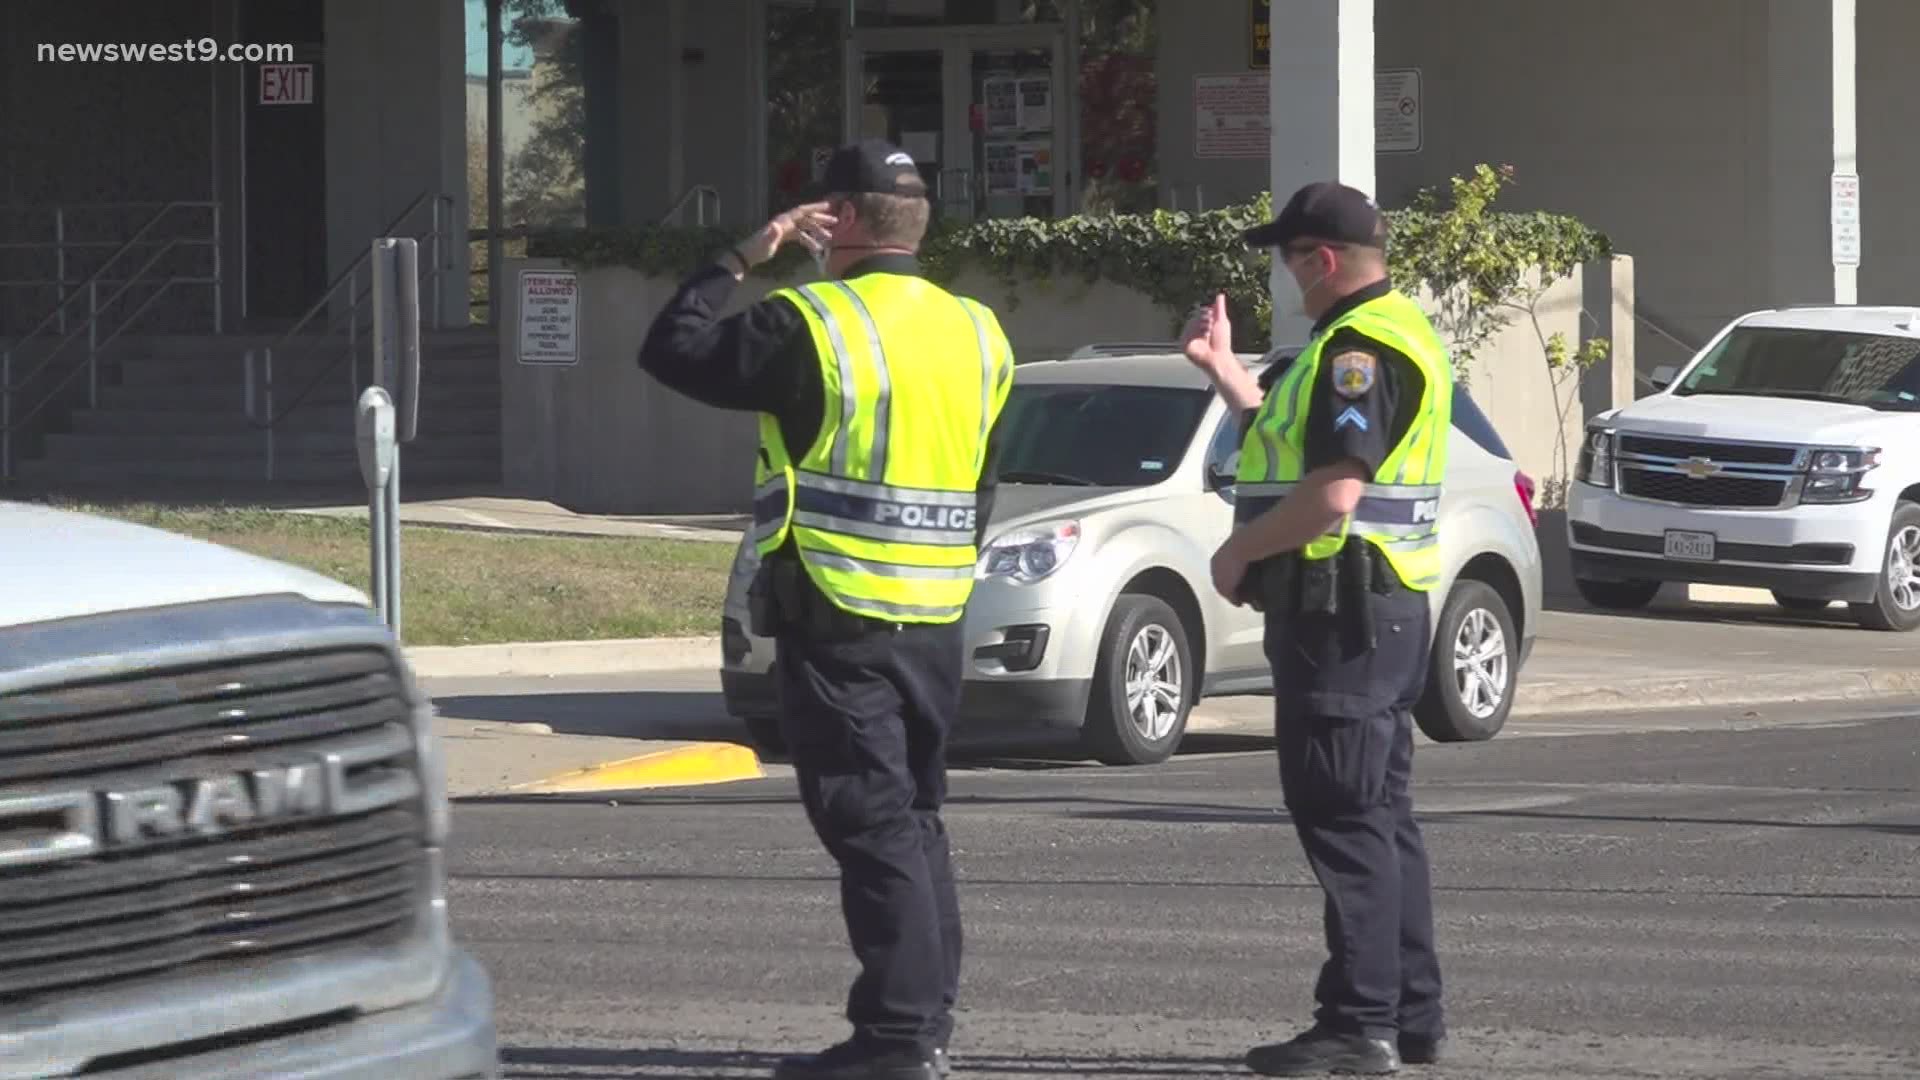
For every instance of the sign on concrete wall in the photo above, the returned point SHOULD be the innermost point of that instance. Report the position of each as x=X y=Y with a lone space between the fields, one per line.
x=1260 y=37
x=1231 y=117
x=1396 y=111
x=549 y=317
x=286 y=84
x=1232 y=114
x=1845 y=215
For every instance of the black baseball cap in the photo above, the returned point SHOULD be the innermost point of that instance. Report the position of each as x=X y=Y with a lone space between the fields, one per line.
x=1324 y=211
x=871 y=166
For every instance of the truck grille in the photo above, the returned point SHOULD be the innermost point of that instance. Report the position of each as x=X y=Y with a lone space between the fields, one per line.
x=1711 y=491
x=1725 y=453
x=198 y=883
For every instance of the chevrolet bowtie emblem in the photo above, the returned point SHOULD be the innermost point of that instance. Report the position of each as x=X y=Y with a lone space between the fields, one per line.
x=1699 y=468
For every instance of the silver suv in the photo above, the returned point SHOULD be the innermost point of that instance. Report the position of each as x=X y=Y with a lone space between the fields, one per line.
x=1094 y=610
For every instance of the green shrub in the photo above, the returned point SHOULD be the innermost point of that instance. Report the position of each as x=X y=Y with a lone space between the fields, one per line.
x=1472 y=258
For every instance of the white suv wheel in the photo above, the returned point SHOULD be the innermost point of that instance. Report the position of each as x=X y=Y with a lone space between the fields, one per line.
x=1903 y=569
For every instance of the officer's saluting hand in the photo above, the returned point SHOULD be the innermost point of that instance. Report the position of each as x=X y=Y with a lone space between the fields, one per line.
x=1337 y=505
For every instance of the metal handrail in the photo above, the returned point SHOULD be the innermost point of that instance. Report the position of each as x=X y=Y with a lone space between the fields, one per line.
x=258 y=383
x=701 y=191
x=60 y=245
x=91 y=326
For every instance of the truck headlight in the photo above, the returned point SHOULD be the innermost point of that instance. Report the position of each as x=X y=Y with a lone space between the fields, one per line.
x=1596 y=458
x=1029 y=554
x=1839 y=474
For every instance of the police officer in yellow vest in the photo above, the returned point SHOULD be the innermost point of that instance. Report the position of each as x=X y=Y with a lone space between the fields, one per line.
x=878 y=394
x=1335 y=540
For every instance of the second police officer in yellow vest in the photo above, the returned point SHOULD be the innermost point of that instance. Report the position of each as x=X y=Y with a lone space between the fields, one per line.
x=1336 y=540
x=878 y=394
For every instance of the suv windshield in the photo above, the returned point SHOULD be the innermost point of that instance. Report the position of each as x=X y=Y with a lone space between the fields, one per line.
x=1096 y=435
x=1880 y=371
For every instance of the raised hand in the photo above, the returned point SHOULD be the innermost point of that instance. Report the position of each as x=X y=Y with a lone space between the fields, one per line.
x=1207 y=340
x=811 y=224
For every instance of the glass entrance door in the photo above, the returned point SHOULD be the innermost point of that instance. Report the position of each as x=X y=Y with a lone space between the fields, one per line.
x=982 y=110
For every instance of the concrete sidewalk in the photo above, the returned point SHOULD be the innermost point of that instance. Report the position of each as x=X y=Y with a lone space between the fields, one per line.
x=533 y=516
x=620 y=701
x=1705 y=646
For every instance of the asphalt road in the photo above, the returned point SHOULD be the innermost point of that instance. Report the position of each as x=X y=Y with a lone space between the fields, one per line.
x=1708 y=903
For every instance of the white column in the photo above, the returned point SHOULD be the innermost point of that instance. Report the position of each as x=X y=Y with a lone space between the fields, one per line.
x=1322 y=110
x=1846 y=279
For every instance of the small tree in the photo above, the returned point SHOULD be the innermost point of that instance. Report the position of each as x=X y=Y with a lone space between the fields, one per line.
x=1483 y=275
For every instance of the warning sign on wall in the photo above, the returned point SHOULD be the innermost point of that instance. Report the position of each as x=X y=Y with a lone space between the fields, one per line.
x=549 y=317
x=1230 y=116
x=1396 y=111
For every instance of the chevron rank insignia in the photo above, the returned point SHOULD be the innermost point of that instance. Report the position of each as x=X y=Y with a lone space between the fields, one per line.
x=1351 y=418
x=1353 y=373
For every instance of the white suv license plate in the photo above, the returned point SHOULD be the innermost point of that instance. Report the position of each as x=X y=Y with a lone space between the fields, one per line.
x=1690 y=546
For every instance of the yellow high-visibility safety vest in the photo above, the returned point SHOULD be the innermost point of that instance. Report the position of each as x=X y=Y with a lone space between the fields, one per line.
x=882 y=507
x=1400 y=510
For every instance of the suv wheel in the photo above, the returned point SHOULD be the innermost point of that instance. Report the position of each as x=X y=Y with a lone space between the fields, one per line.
x=1474 y=667
x=1142 y=684
x=1897 y=605
x=1618 y=595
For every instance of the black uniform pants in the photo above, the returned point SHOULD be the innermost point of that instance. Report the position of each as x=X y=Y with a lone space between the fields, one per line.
x=866 y=719
x=1344 y=728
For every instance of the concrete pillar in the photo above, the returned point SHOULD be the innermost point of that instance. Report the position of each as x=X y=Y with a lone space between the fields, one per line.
x=1322 y=115
x=1809 y=136
x=396 y=105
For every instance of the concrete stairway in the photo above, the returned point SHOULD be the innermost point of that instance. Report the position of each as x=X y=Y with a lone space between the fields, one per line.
x=171 y=423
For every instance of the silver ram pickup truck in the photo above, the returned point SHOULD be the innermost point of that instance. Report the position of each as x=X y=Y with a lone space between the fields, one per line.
x=222 y=820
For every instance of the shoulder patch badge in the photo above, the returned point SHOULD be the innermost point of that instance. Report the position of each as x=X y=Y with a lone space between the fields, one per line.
x=1353 y=373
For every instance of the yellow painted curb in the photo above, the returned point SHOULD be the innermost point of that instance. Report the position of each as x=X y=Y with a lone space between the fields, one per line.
x=683 y=766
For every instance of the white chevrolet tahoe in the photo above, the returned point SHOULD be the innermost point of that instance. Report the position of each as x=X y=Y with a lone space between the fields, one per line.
x=1784 y=456
x=222 y=822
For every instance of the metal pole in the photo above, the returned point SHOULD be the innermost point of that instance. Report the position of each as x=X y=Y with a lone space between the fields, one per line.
x=6 y=414
x=60 y=263
x=271 y=424
x=219 y=326
x=377 y=571
x=496 y=160
x=392 y=497
x=93 y=347
x=435 y=255
x=353 y=326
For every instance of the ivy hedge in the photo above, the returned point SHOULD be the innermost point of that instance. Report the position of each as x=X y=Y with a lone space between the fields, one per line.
x=1449 y=241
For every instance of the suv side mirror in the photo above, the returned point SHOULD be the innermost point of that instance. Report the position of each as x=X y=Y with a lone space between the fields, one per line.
x=1662 y=376
x=1224 y=474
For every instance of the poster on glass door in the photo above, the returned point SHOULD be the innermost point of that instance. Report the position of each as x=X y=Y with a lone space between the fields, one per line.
x=1002 y=166
x=1036 y=104
x=1019 y=167
x=1000 y=100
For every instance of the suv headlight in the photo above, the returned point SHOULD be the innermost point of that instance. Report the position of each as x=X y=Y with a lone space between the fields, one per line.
x=1838 y=474
x=1596 y=458
x=1029 y=554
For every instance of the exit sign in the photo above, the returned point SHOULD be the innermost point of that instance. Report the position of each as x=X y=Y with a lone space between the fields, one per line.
x=286 y=84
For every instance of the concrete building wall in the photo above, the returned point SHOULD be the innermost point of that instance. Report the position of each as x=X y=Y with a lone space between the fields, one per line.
x=690 y=106
x=396 y=127
x=1200 y=37
x=77 y=132
x=1889 y=153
